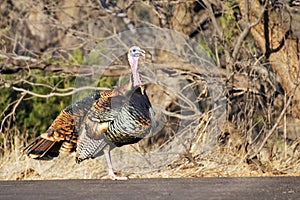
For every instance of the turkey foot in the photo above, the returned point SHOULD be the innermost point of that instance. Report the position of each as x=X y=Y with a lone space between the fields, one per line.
x=111 y=175
x=115 y=177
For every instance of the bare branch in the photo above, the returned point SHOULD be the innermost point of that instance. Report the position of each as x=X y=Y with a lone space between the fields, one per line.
x=282 y=114
x=74 y=91
x=246 y=31
x=12 y=113
x=213 y=19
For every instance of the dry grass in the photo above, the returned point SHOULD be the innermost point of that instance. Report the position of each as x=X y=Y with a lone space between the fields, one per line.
x=17 y=167
x=224 y=160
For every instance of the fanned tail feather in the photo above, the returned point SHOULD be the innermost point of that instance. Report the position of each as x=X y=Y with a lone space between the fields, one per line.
x=43 y=149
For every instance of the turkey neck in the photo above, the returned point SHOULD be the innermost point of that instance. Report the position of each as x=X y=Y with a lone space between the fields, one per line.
x=135 y=73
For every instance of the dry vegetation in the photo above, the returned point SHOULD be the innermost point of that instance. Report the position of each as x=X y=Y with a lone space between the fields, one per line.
x=227 y=102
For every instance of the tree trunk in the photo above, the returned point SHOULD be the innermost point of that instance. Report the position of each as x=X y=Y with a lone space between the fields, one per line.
x=274 y=37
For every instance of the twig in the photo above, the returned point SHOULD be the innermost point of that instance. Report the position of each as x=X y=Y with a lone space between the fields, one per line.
x=213 y=19
x=277 y=122
x=245 y=32
x=12 y=113
x=75 y=90
x=217 y=28
x=284 y=131
x=17 y=57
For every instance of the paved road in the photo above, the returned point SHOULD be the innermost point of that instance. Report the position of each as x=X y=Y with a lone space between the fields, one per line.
x=194 y=188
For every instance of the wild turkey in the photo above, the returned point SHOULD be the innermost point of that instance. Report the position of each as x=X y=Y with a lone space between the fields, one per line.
x=116 y=120
x=118 y=117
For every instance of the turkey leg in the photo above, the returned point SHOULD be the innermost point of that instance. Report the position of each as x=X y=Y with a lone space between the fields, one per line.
x=111 y=174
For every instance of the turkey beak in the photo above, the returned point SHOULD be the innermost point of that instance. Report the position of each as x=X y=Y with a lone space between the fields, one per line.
x=141 y=52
